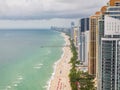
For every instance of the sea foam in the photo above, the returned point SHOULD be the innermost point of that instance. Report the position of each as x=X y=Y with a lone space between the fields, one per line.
x=37 y=66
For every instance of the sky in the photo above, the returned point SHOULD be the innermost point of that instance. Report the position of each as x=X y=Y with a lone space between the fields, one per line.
x=45 y=13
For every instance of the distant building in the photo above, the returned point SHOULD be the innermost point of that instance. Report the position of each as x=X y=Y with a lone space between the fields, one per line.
x=75 y=35
x=72 y=30
x=83 y=43
x=61 y=29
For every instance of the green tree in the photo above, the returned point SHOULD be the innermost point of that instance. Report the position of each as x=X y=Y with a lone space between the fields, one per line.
x=79 y=78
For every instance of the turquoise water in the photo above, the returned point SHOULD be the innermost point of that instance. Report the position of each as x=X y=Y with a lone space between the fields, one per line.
x=27 y=58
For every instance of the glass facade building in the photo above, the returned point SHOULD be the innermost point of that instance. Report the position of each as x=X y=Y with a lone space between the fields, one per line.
x=109 y=48
x=84 y=23
x=110 y=63
x=83 y=41
x=72 y=30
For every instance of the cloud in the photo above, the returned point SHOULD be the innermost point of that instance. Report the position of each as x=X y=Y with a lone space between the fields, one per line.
x=48 y=9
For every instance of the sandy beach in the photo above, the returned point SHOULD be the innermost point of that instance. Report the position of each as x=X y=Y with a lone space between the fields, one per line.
x=60 y=79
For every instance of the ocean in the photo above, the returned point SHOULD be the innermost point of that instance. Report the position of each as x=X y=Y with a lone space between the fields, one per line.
x=27 y=57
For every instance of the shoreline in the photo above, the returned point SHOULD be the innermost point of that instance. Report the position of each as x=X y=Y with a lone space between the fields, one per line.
x=54 y=69
x=59 y=71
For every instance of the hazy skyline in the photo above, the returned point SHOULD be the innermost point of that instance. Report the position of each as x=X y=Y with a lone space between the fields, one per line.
x=44 y=13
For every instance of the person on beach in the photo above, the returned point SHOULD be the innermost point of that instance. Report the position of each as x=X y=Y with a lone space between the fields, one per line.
x=60 y=71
